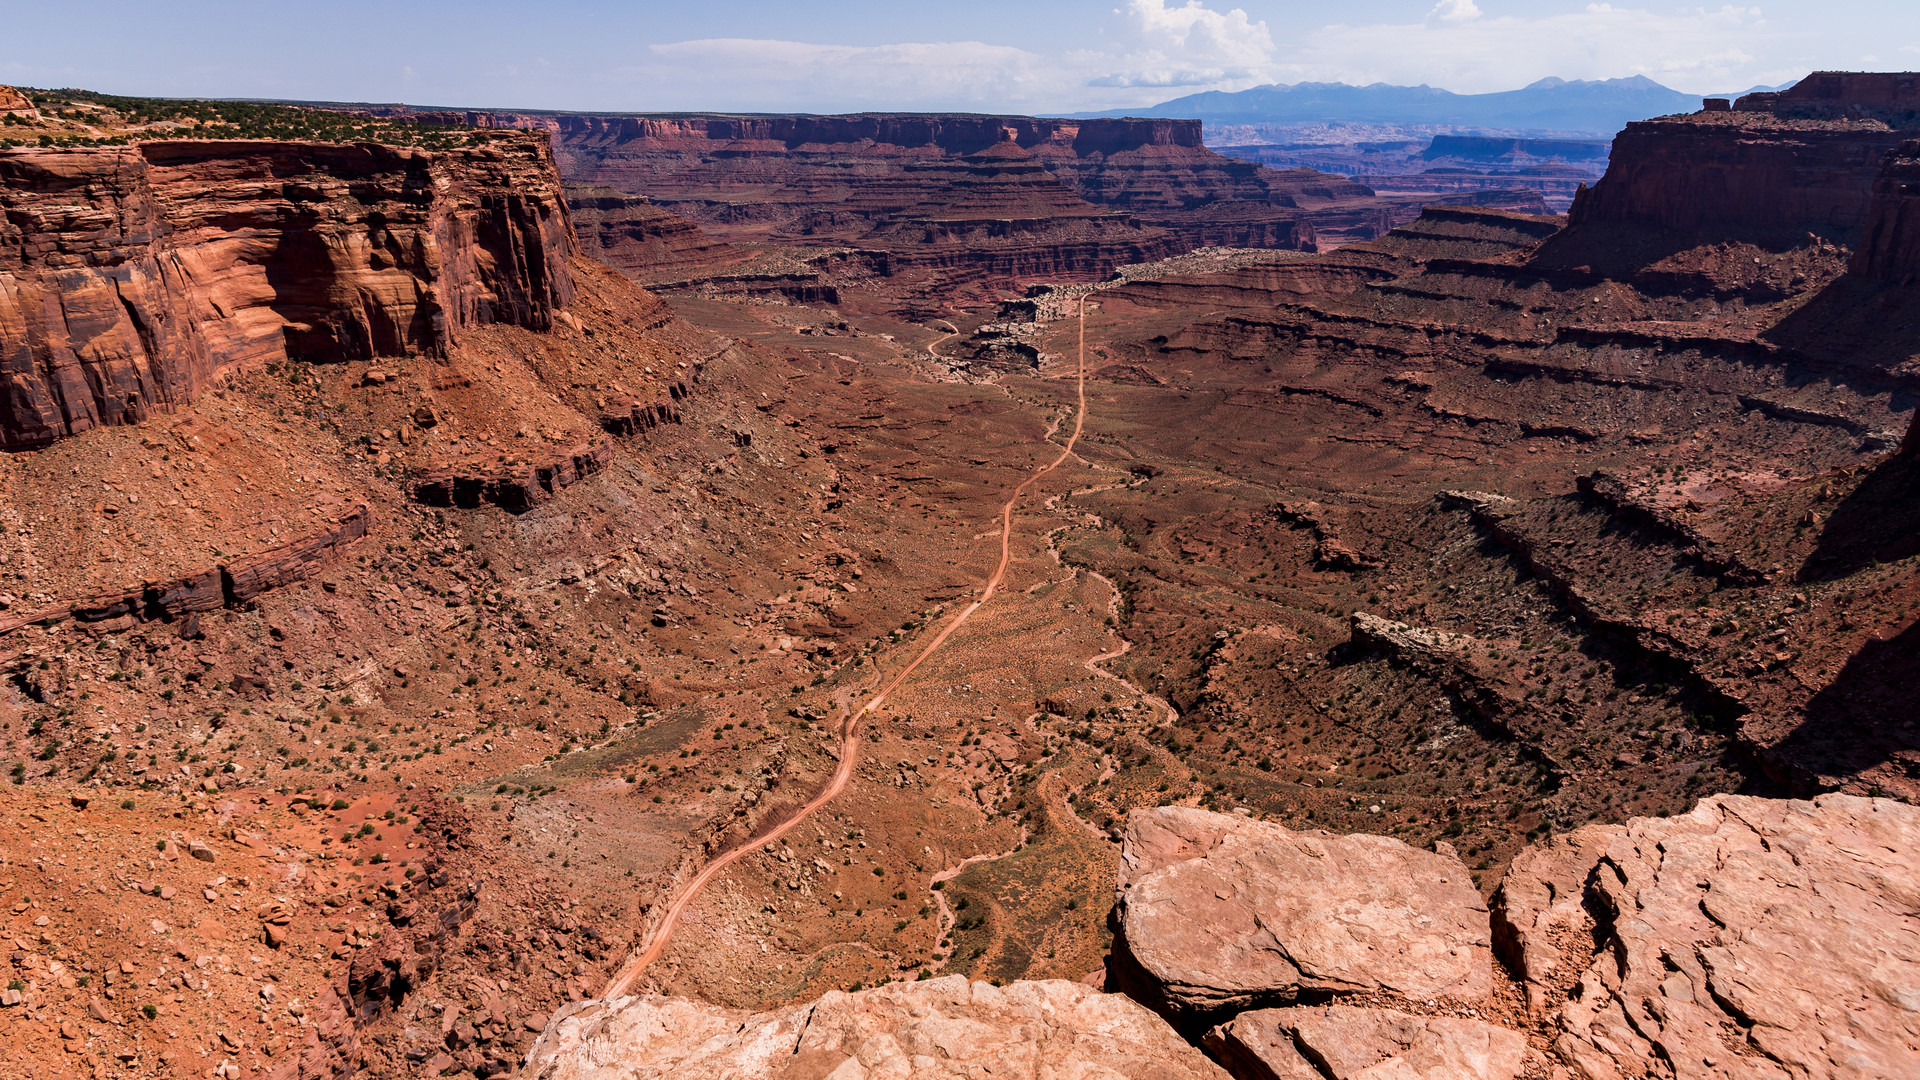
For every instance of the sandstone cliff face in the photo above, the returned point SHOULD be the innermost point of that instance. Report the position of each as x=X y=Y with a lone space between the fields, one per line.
x=1744 y=173
x=132 y=277
x=1889 y=248
x=793 y=176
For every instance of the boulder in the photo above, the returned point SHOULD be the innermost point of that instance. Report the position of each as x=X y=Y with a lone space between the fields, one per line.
x=1216 y=911
x=1343 y=1042
x=1748 y=938
x=939 y=1028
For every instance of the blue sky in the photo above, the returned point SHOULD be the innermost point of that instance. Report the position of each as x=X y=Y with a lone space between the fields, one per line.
x=981 y=55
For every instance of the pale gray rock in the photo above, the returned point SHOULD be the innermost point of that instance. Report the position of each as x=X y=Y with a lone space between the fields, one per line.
x=1218 y=911
x=1344 y=1042
x=940 y=1029
x=1399 y=637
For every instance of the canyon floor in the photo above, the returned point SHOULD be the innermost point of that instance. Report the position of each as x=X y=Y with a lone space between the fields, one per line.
x=361 y=714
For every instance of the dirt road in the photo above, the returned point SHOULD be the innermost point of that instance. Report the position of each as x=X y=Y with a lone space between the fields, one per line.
x=624 y=979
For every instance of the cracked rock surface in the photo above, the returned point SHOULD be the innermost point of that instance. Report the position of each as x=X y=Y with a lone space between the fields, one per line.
x=1216 y=910
x=1747 y=938
x=937 y=1028
x=1348 y=1043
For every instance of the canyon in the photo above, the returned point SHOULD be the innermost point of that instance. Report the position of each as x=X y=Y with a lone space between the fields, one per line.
x=1478 y=648
x=938 y=203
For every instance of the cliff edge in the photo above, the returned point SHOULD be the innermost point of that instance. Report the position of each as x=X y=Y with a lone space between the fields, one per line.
x=132 y=277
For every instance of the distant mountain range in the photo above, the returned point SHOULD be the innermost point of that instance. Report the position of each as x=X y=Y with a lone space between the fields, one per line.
x=1598 y=107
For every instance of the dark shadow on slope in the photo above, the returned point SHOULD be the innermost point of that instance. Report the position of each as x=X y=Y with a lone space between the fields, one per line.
x=1671 y=262
x=1854 y=322
x=1863 y=719
x=1879 y=522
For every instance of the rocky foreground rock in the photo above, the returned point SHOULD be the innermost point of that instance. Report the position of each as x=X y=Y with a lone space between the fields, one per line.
x=939 y=1028
x=1750 y=938
x=1349 y=1043
x=1216 y=911
x=1747 y=938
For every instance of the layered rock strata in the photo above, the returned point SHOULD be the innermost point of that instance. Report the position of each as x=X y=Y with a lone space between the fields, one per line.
x=1892 y=97
x=1771 y=169
x=230 y=585
x=1750 y=173
x=940 y=1028
x=649 y=244
x=810 y=178
x=132 y=277
x=516 y=489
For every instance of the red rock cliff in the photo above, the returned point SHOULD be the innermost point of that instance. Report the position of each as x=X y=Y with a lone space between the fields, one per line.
x=132 y=277
x=1889 y=249
x=1892 y=97
x=1741 y=173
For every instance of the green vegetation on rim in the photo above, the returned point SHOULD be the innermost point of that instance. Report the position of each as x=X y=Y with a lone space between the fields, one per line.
x=86 y=118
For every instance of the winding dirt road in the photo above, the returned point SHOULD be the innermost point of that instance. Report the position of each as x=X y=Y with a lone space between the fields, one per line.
x=623 y=980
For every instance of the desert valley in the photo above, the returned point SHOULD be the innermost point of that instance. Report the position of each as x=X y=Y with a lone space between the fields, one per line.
x=591 y=595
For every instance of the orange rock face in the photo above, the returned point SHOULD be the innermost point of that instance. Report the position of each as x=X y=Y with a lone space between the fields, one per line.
x=132 y=277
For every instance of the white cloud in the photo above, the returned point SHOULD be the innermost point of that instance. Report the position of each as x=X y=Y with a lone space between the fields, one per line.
x=1454 y=10
x=1694 y=49
x=1187 y=46
x=1151 y=51
x=751 y=73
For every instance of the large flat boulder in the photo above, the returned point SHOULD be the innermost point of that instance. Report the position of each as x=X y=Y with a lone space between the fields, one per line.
x=933 y=1030
x=1216 y=911
x=1748 y=938
x=1343 y=1042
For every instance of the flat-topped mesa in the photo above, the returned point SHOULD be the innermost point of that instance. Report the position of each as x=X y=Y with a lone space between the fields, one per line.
x=1740 y=175
x=1891 y=97
x=792 y=178
x=132 y=277
x=949 y=133
x=1003 y=182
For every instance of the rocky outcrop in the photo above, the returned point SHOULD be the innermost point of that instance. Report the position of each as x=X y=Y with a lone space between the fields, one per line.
x=1743 y=174
x=231 y=585
x=131 y=277
x=1747 y=938
x=1892 y=97
x=1341 y=1042
x=1216 y=911
x=939 y=1028
x=516 y=489
x=1889 y=248
x=1389 y=635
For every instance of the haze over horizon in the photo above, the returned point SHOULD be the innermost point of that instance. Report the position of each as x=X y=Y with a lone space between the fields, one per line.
x=989 y=56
